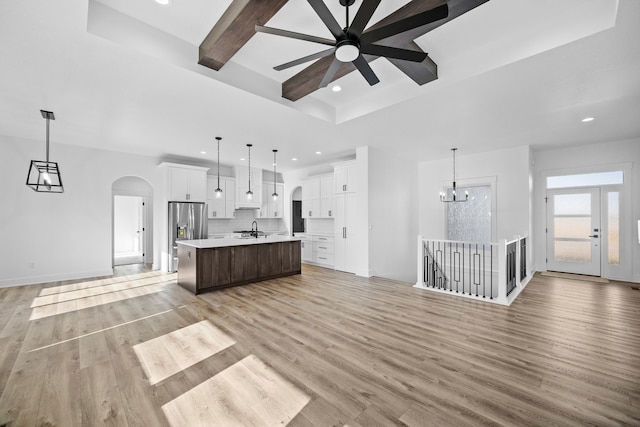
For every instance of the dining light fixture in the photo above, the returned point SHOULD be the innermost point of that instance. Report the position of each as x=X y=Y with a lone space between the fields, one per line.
x=249 y=192
x=275 y=194
x=44 y=176
x=218 y=190
x=443 y=196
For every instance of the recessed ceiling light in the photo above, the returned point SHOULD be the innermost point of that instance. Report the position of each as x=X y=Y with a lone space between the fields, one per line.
x=294 y=159
x=203 y=152
x=164 y=2
x=318 y=152
x=587 y=119
x=242 y=159
x=336 y=88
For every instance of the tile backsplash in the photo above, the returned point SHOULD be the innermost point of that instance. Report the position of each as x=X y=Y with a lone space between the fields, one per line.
x=243 y=220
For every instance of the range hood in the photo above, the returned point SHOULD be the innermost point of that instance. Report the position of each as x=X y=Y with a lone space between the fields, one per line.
x=242 y=186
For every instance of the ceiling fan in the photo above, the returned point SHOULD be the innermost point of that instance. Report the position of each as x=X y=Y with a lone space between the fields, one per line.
x=352 y=42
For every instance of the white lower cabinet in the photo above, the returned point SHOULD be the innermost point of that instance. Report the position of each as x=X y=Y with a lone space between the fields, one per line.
x=345 y=229
x=323 y=251
x=306 y=246
x=318 y=250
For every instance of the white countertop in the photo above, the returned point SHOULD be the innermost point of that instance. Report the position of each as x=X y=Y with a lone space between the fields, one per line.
x=232 y=241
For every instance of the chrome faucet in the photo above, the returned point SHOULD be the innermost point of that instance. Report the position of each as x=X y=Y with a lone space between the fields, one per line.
x=254 y=232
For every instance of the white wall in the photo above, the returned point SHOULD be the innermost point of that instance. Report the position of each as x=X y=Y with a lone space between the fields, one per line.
x=585 y=159
x=510 y=169
x=393 y=216
x=50 y=237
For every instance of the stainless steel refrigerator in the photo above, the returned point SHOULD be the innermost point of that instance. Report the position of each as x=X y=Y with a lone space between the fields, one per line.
x=187 y=221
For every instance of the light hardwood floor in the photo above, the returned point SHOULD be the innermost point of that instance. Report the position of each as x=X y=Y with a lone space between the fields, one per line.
x=320 y=349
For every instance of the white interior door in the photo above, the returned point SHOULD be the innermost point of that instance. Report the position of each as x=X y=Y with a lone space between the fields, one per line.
x=573 y=231
x=128 y=227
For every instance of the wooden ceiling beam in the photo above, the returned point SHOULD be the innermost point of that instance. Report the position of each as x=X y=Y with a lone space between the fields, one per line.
x=234 y=29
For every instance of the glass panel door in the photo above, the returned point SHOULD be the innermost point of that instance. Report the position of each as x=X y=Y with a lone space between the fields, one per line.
x=573 y=231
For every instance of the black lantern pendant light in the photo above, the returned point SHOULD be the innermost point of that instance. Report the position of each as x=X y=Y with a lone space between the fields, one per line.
x=44 y=176
x=275 y=194
x=443 y=196
x=218 y=190
x=249 y=192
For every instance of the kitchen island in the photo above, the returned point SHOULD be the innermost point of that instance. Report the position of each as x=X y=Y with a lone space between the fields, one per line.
x=208 y=264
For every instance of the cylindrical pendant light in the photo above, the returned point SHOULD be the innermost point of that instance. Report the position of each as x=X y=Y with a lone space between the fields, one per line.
x=249 y=192
x=218 y=190
x=275 y=194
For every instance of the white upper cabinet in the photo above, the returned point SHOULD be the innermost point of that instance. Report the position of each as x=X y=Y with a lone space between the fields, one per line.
x=223 y=207
x=272 y=208
x=326 y=196
x=186 y=183
x=345 y=177
x=242 y=186
x=317 y=196
x=311 y=197
x=230 y=198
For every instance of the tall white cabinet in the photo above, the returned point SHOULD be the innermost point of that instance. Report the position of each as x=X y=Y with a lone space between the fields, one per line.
x=345 y=237
x=344 y=178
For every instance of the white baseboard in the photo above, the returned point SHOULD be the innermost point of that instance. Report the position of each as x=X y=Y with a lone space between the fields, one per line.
x=33 y=280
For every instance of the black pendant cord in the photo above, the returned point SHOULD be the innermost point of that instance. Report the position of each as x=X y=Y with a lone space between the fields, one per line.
x=218 y=139
x=275 y=193
x=48 y=139
x=249 y=169
x=454 y=173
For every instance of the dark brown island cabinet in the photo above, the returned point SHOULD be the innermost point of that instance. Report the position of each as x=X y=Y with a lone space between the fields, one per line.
x=206 y=265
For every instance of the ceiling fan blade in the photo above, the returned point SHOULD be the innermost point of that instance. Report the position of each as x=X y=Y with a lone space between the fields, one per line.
x=362 y=18
x=393 y=52
x=294 y=35
x=328 y=19
x=363 y=66
x=304 y=59
x=331 y=71
x=406 y=24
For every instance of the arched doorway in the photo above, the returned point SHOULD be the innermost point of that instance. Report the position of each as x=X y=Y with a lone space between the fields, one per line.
x=297 y=222
x=132 y=219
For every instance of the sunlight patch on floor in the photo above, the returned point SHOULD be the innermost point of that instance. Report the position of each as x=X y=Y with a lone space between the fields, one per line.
x=94 y=291
x=94 y=301
x=248 y=393
x=101 y=330
x=106 y=281
x=171 y=353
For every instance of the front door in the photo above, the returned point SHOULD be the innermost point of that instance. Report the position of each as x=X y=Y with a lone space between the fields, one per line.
x=573 y=231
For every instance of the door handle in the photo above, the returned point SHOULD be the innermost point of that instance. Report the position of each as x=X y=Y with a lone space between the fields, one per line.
x=594 y=235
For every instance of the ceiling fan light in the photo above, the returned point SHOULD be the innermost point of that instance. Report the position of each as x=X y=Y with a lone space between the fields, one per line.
x=347 y=51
